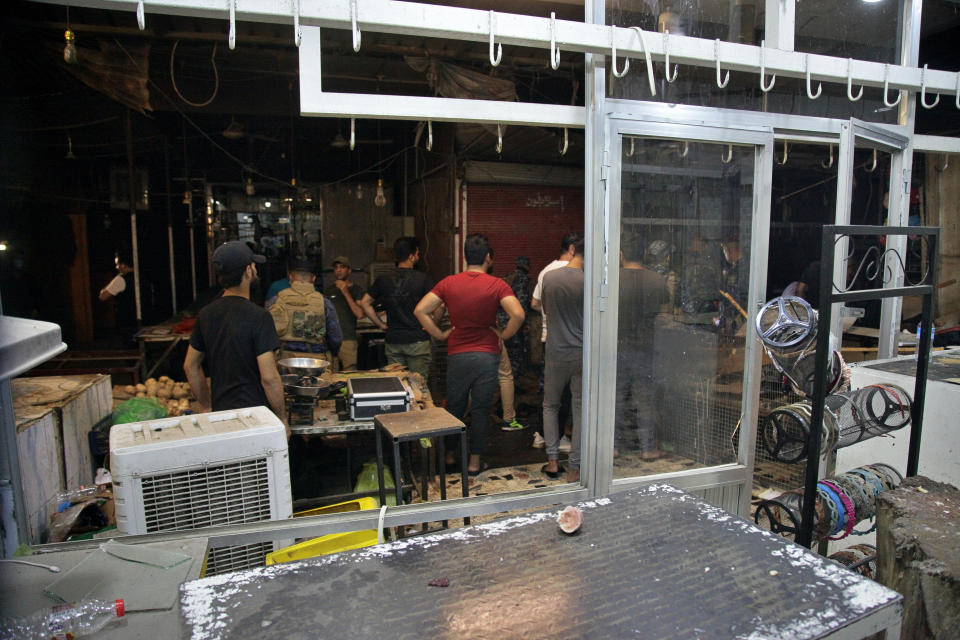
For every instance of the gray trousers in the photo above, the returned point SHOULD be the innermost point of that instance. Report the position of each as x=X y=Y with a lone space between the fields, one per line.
x=557 y=374
x=636 y=400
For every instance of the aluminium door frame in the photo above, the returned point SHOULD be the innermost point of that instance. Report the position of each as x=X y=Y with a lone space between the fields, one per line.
x=660 y=121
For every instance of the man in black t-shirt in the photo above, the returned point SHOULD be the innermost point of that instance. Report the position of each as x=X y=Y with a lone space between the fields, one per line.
x=399 y=292
x=236 y=340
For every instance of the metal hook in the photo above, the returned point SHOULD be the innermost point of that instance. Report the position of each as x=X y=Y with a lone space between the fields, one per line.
x=296 y=21
x=566 y=141
x=494 y=61
x=429 y=135
x=353 y=133
x=923 y=91
x=763 y=69
x=141 y=18
x=613 y=55
x=232 y=37
x=716 y=54
x=786 y=153
x=499 y=147
x=810 y=93
x=630 y=154
x=958 y=91
x=646 y=53
x=873 y=167
x=853 y=98
x=686 y=149
x=827 y=165
x=354 y=16
x=886 y=86
x=666 y=53
x=946 y=163
x=728 y=156
x=554 y=49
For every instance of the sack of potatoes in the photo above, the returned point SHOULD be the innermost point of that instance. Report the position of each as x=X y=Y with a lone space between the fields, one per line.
x=173 y=395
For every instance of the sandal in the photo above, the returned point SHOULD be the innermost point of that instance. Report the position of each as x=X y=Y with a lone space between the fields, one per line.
x=553 y=475
x=483 y=467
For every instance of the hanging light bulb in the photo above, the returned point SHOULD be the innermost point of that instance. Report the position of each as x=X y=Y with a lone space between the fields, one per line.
x=187 y=197
x=69 y=49
x=359 y=191
x=381 y=199
x=250 y=188
x=70 y=155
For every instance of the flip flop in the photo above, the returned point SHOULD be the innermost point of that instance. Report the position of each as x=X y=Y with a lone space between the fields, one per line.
x=553 y=475
x=483 y=467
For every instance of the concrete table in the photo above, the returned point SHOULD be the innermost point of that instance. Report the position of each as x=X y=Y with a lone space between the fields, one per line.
x=652 y=563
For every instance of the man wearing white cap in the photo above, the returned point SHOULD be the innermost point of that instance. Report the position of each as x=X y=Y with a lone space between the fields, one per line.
x=235 y=340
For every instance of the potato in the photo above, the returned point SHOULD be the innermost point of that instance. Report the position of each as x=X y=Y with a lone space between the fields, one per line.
x=132 y=390
x=164 y=379
x=164 y=393
x=181 y=393
x=141 y=394
x=141 y=388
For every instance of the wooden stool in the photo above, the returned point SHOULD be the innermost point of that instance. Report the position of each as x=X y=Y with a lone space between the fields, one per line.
x=413 y=425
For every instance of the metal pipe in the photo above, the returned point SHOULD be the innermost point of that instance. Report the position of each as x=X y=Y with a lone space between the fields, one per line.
x=169 y=196
x=131 y=188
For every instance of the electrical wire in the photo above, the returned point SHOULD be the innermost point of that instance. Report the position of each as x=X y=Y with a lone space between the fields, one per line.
x=216 y=78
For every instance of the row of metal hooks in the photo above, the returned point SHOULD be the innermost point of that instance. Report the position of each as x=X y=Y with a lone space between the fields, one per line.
x=727 y=157
x=618 y=73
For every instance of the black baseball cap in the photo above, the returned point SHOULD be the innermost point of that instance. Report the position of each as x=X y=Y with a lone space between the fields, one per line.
x=234 y=256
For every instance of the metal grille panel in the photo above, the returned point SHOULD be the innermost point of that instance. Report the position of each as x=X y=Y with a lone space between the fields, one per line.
x=223 y=494
x=246 y=556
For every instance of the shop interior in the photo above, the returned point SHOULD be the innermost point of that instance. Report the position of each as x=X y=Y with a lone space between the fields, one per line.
x=158 y=144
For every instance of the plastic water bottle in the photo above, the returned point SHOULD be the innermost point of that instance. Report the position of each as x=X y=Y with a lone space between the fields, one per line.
x=63 y=621
x=67 y=498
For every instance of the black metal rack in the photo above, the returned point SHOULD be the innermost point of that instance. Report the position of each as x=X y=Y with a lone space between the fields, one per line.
x=926 y=288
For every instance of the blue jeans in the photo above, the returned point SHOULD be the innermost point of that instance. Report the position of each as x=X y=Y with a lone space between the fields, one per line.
x=471 y=377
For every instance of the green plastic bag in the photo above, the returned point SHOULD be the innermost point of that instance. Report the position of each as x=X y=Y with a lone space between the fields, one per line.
x=367 y=481
x=138 y=410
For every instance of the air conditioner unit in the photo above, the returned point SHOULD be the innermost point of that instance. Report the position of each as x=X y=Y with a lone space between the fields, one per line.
x=226 y=467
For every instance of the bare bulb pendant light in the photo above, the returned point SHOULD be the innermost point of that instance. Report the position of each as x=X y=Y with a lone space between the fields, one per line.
x=381 y=199
x=69 y=49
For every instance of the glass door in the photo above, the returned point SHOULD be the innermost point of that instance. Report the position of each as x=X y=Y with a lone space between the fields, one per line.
x=688 y=227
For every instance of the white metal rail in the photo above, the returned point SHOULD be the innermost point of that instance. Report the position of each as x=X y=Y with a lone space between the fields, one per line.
x=559 y=36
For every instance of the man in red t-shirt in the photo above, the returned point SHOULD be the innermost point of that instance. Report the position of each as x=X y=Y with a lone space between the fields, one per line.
x=473 y=340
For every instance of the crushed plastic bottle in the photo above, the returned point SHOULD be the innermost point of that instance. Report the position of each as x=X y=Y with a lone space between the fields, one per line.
x=66 y=498
x=63 y=621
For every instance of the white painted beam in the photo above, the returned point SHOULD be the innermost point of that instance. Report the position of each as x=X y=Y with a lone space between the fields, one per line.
x=434 y=21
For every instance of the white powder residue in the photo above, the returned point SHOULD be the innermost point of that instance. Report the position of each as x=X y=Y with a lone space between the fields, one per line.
x=603 y=501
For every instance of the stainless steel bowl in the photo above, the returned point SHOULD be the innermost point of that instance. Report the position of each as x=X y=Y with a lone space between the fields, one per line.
x=302 y=366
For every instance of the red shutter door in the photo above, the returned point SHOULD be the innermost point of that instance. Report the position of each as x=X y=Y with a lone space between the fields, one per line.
x=523 y=220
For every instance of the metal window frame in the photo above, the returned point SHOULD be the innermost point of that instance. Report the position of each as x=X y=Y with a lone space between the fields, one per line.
x=658 y=121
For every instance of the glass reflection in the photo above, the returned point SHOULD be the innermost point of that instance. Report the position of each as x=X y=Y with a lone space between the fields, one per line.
x=685 y=238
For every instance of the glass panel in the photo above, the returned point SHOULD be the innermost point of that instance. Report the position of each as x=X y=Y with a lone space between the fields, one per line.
x=685 y=237
x=860 y=30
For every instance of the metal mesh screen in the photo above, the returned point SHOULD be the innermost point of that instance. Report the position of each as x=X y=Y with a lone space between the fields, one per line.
x=245 y=556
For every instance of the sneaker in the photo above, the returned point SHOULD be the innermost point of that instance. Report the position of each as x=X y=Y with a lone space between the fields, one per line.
x=513 y=425
x=565 y=445
x=538 y=441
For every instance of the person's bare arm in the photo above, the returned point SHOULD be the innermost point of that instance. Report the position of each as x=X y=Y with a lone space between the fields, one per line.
x=514 y=310
x=367 y=304
x=424 y=313
x=355 y=308
x=198 y=382
x=105 y=295
x=535 y=304
x=273 y=386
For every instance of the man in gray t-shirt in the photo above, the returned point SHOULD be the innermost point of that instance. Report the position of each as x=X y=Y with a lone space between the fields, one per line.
x=563 y=303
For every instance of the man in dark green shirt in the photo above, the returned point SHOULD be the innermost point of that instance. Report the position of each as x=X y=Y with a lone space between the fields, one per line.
x=346 y=297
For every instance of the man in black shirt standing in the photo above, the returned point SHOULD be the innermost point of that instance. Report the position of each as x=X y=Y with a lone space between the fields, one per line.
x=406 y=341
x=236 y=340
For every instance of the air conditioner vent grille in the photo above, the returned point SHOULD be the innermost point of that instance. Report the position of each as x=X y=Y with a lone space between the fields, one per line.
x=230 y=493
x=237 y=557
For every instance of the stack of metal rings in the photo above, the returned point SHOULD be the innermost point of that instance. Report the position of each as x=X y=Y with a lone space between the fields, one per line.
x=842 y=501
x=861 y=558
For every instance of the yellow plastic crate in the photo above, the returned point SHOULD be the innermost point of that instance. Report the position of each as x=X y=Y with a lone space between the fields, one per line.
x=333 y=543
